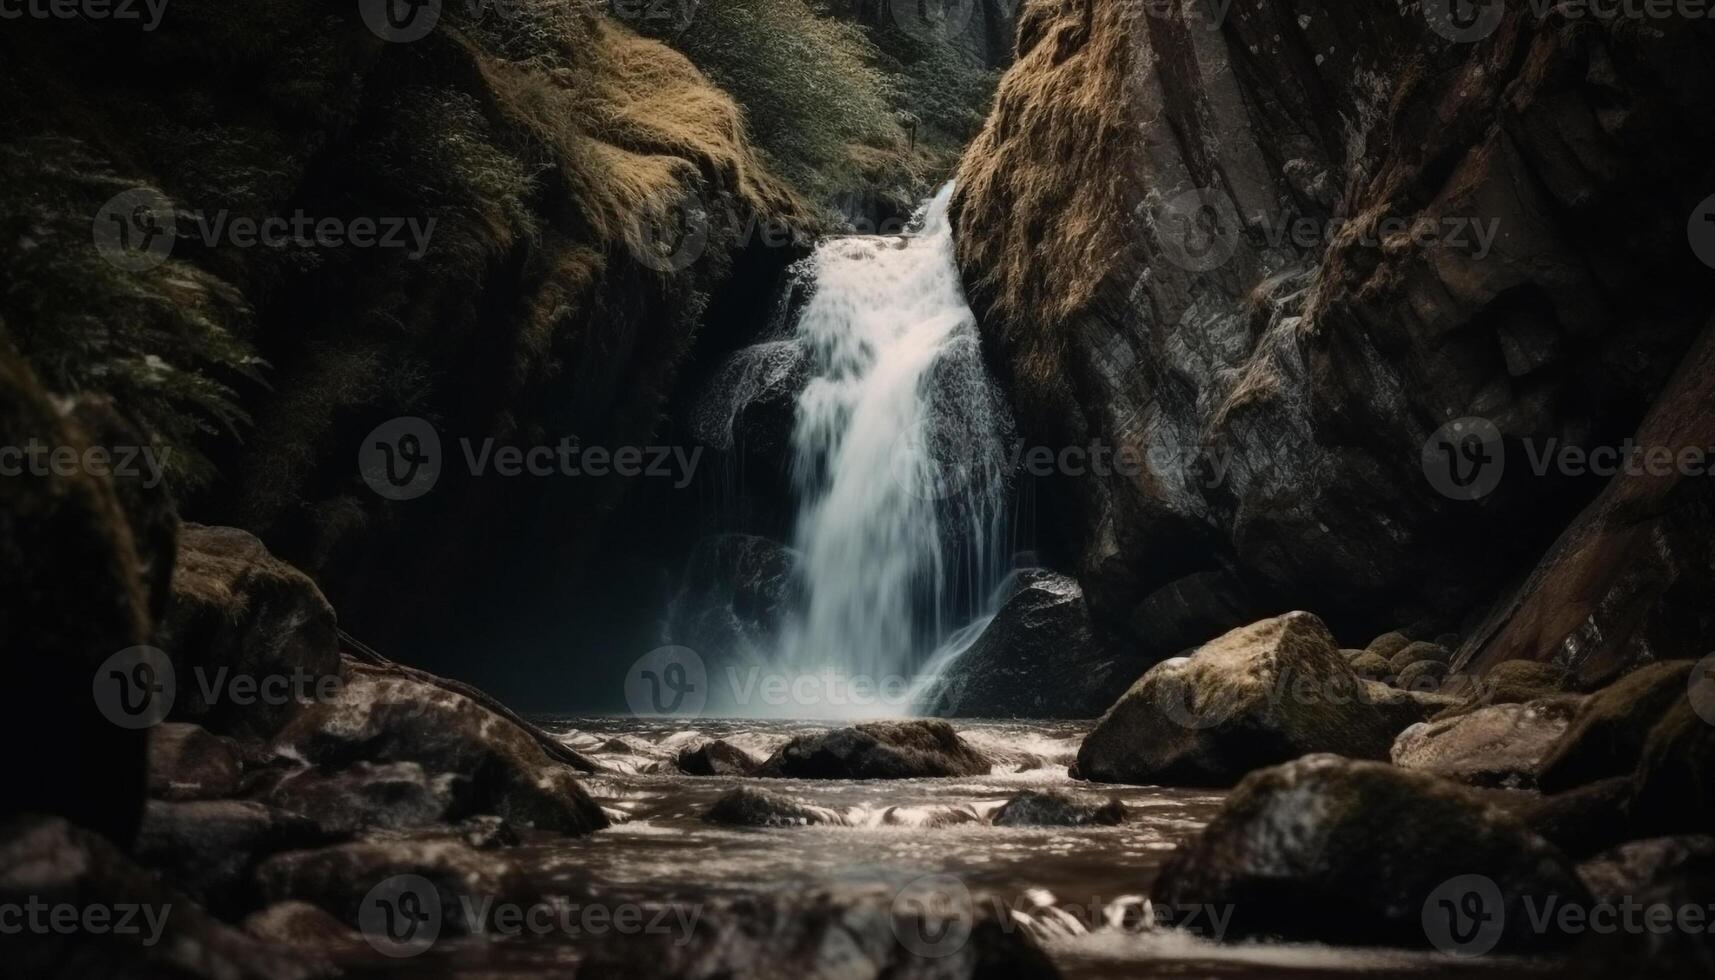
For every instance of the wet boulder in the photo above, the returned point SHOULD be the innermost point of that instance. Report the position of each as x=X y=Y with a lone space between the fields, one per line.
x=878 y=750
x=1370 y=666
x=1660 y=880
x=1501 y=745
x=749 y=406
x=1038 y=658
x=930 y=930
x=368 y=796
x=252 y=639
x=1033 y=809
x=1258 y=696
x=1335 y=850
x=1607 y=735
x=382 y=716
x=210 y=847
x=49 y=862
x=1413 y=653
x=716 y=758
x=1425 y=676
x=188 y=763
x=751 y=807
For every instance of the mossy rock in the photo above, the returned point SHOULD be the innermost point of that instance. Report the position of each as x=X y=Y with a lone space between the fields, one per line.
x=1371 y=667
x=1388 y=644
x=1424 y=676
x=1607 y=735
x=1413 y=653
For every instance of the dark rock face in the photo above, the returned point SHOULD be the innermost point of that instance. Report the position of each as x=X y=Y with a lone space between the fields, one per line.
x=1327 y=833
x=240 y=615
x=1259 y=696
x=369 y=796
x=716 y=758
x=751 y=807
x=188 y=763
x=384 y=716
x=823 y=935
x=734 y=598
x=1039 y=658
x=77 y=583
x=1676 y=777
x=52 y=862
x=1283 y=398
x=1606 y=737
x=1501 y=745
x=1057 y=810
x=1669 y=873
x=210 y=847
x=880 y=750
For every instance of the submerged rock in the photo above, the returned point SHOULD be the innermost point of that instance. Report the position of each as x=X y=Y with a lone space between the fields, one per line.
x=932 y=929
x=878 y=750
x=1258 y=696
x=1038 y=658
x=1501 y=745
x=751 y=807
x=337 y=879
x=1034 y=809
x=1334 y=850
x=209 y=847
x=369 y=796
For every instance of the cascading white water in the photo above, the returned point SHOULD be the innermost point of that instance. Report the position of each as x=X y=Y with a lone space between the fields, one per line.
x=898 y=459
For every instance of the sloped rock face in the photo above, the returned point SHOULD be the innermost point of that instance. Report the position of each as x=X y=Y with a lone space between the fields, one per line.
x=1258 y=696
x=1039 y=658
x=1297 y=840
x=1508 y=242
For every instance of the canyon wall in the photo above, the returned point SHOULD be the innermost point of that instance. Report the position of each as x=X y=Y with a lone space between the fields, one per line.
x=1271 y=257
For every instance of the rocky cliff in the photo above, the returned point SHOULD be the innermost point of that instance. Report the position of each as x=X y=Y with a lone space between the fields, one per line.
x=1268 y=258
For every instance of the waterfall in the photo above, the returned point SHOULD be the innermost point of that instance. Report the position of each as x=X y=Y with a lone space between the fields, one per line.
x=899 y=456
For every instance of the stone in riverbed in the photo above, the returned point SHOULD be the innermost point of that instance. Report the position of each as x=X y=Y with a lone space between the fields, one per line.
x=1033 y=809
x=929 y=930
x=1607 y=735
x=1334 y=850
x=1258 y=696
x=337 y=879
x=382 y=716
x=368 y=796
x=716 y=758
x=1502 y=745
x=1424 y=677
x=751 y=807
x=1038 y=658
x=1370 y=667
x=1413 y=653
x=878 y=750
x=209 y=847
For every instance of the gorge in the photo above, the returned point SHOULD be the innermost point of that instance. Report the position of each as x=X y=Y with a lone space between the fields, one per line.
x=1082 y=488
